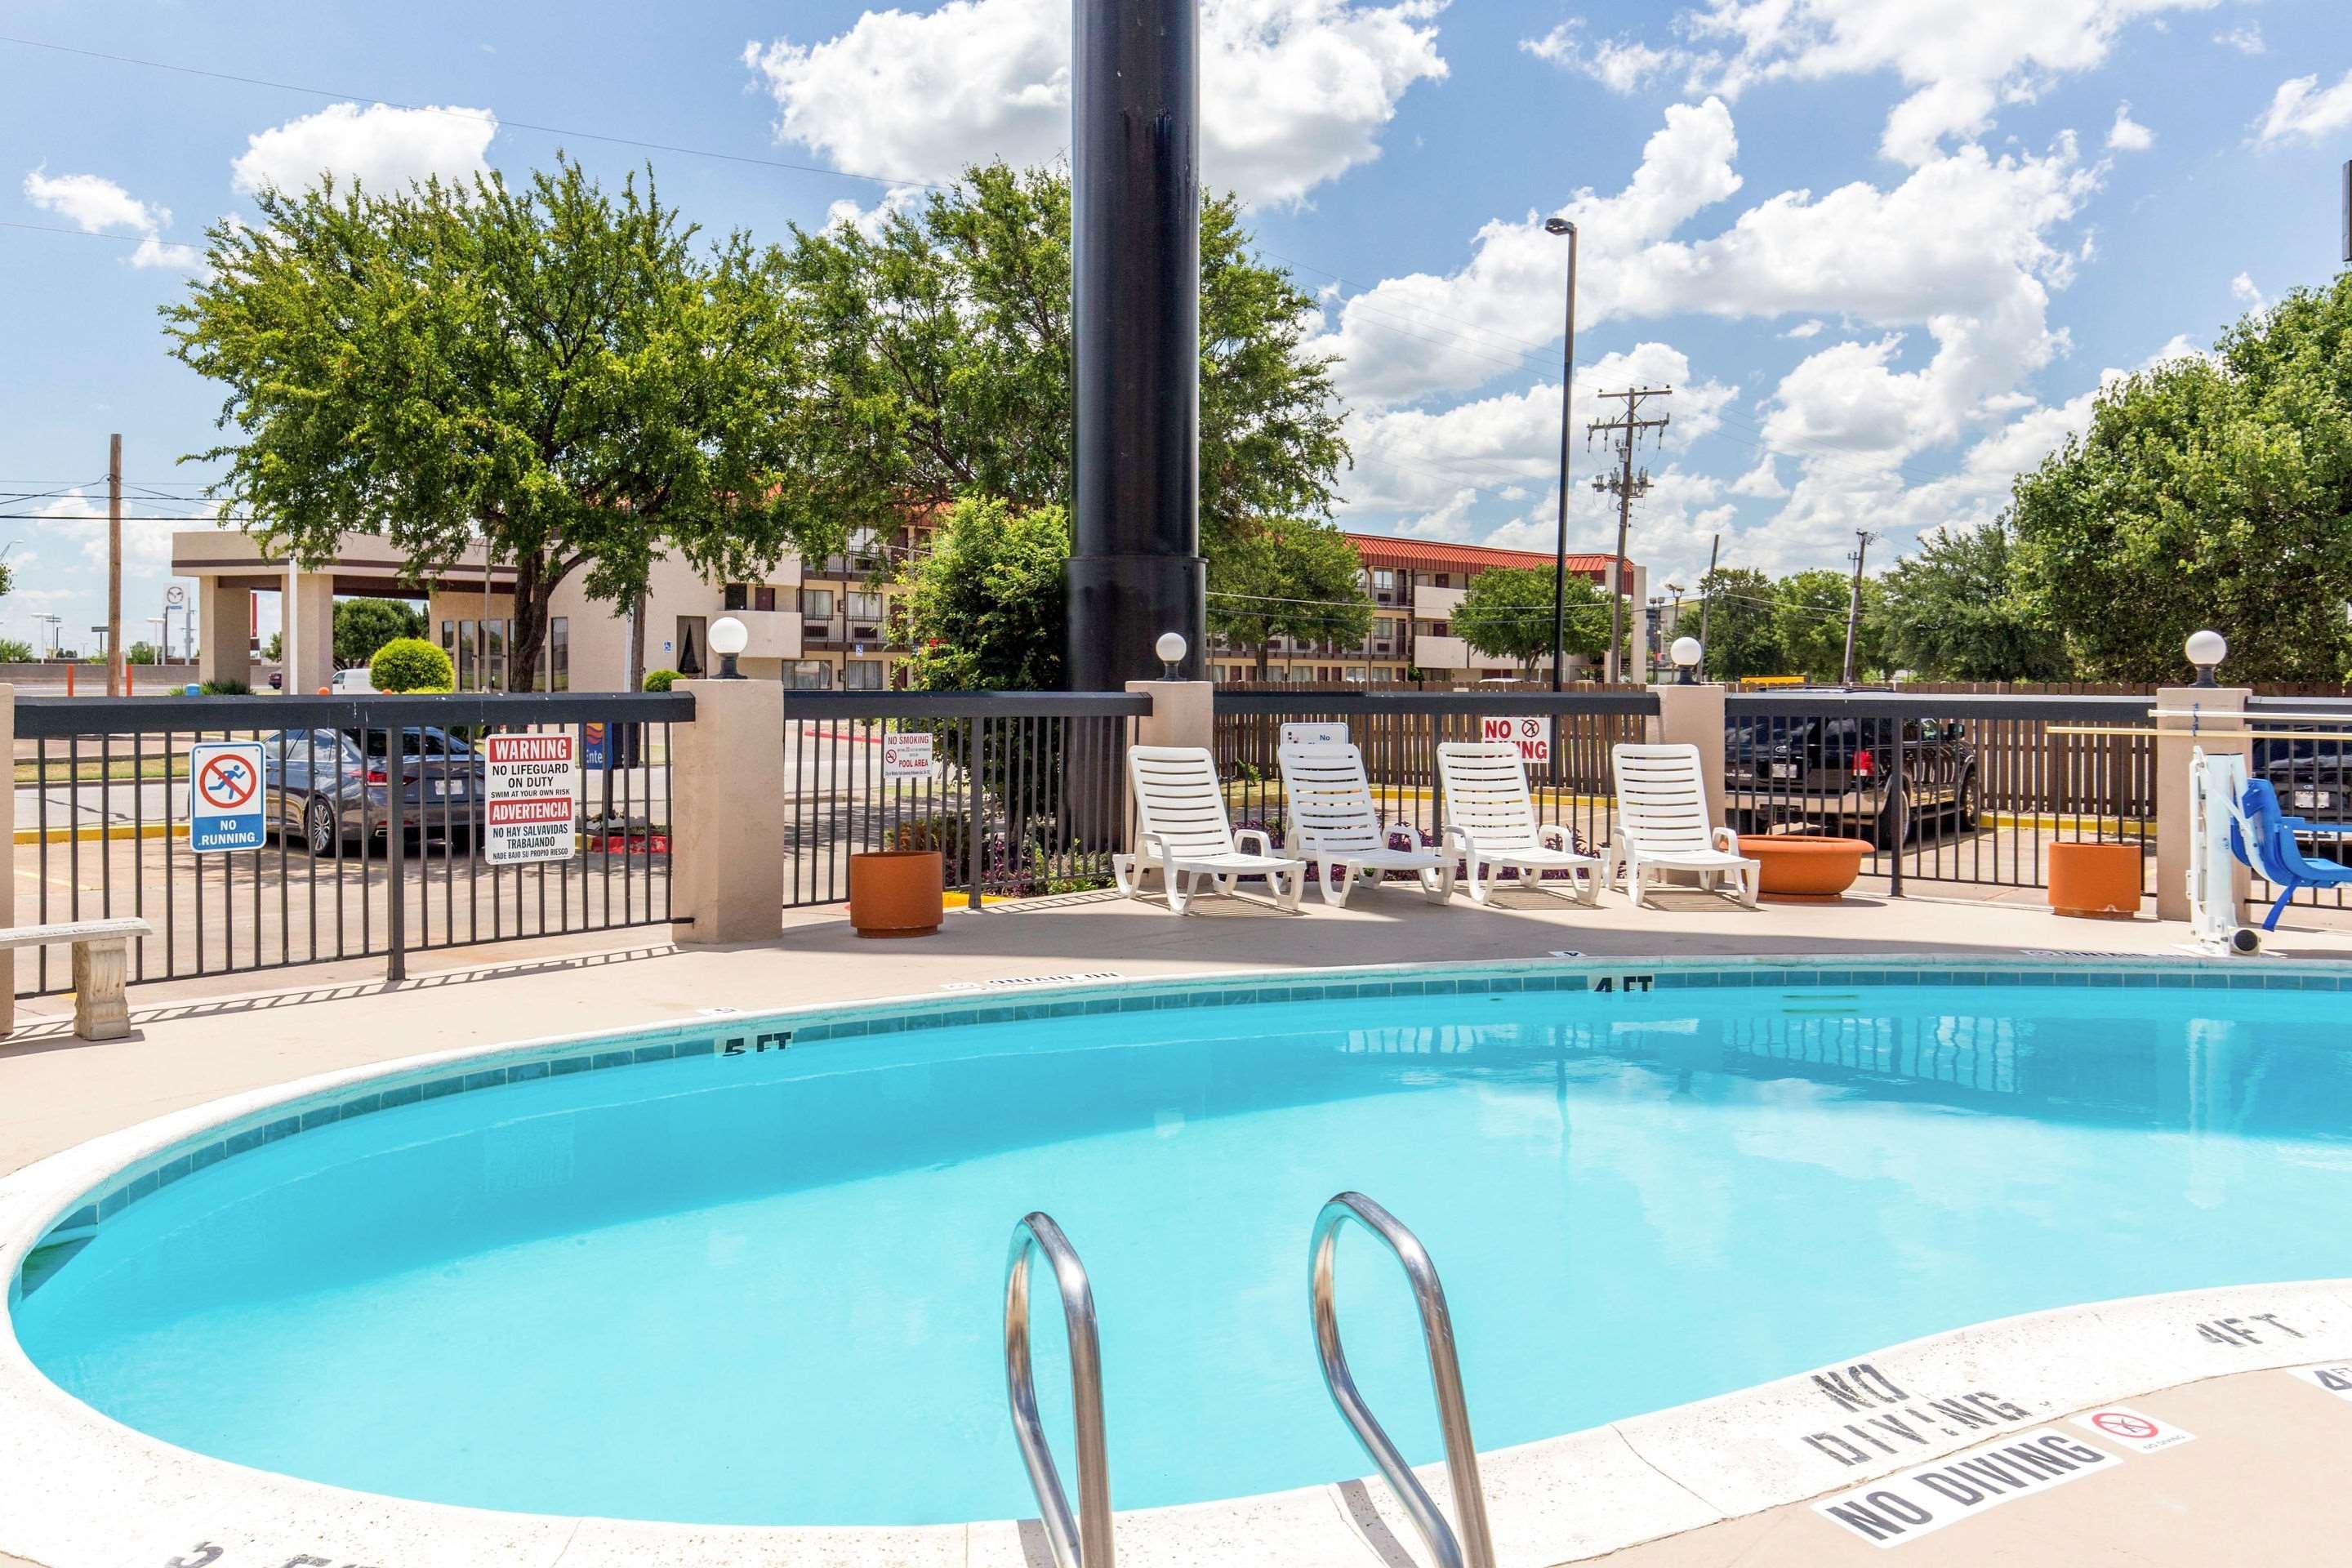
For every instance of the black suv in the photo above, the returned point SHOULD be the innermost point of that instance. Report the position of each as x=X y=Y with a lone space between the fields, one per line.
x=2313 y=780
x=1831 y=775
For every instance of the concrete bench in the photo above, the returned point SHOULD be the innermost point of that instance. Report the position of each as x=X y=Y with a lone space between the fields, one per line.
x=102 y=965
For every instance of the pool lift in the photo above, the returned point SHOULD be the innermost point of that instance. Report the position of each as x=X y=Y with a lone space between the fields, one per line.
x=1083 y=1540
x=2217 y=790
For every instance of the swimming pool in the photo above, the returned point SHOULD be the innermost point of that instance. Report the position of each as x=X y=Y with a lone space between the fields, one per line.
x=741 y=1284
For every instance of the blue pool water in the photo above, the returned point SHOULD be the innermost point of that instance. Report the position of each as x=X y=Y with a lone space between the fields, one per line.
x=768 y=1288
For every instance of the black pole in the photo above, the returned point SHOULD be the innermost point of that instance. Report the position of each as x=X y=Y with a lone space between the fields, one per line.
x=1135 y=223
x=1566 y=399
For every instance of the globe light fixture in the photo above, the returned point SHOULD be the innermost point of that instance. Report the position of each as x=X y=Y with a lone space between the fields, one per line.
x=1171 y=647
x=2205 y=650
x=1686 y=654
x=729 y=637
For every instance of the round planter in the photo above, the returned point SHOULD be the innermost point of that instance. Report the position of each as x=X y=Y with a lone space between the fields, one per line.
x=896 y=892
x=1802 y=866
x=2095 y=881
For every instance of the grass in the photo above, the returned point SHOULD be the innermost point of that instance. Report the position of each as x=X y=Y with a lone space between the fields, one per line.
x=91 y=770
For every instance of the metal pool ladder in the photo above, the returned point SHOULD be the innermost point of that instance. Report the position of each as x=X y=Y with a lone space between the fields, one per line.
x=1084 y=1541
x=1475 y=1548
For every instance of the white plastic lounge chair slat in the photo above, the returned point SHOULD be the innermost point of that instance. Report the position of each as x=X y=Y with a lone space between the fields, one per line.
x=1335 y=824
x=1183 y=833
x=1490 y=821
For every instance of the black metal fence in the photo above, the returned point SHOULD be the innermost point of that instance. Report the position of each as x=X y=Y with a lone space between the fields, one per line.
x=1398 y=733
x=372 y=809
x=2300 y=746
x=1023 y=793
x=1944 y=787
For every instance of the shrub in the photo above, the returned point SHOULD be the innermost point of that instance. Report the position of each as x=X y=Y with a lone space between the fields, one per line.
x=659 y=680
x=228 y=688
x=411 y=664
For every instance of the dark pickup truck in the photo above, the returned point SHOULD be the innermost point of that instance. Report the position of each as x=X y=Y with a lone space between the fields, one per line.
x=1831 y=775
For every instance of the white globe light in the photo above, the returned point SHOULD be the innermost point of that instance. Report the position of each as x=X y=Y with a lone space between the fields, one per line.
x=2207 y=648
x=1171 y=647
x=729 y=637
x=1686 y=650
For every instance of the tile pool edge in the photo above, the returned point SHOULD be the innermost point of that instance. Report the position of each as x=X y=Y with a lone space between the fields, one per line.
x=90 y=1490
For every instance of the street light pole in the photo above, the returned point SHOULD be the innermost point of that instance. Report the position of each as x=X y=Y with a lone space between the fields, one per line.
x=1561 y=225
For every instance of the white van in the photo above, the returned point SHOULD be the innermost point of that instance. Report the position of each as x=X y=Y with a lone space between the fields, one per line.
x=353 y=682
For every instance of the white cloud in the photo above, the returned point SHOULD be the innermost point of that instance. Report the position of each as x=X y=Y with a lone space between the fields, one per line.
x=2301 y=108
x=1762 y=482
x=2243 y=290
x=1294 y=92
x=380 y=148
x=1806 y=329
x=1962 y=245
x=98 y=206
x=2128 y=135
x=1620 y=65
x=2246 y=37
x=1962 y=58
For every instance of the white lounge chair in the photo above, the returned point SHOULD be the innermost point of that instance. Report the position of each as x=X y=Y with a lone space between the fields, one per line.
x=1180 y=828
x=1334 y=823
x=1491 y=823
x=1662 y=825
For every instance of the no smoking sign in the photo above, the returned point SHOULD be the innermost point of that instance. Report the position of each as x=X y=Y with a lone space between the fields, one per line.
x=2141 y=1433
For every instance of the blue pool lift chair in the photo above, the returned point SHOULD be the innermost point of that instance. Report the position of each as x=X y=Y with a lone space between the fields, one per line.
x=2266 y=839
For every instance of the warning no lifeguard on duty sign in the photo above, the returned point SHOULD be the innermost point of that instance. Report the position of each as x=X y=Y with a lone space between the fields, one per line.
x=530 y=783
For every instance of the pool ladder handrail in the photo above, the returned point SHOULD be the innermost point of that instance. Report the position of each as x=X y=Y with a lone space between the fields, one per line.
x=1476 y=1547
x=1085 y=1541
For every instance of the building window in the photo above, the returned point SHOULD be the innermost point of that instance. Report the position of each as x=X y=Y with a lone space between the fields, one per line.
x=816 y=603
x=559 y=653
x=685 y=649
x=468 y=666
x=764 y=598
x=736 y=596
x=1384 y=585
x=811 y=675
x=1358 y=674
x=1441 y=581
x=862 y=675
x=863 y=608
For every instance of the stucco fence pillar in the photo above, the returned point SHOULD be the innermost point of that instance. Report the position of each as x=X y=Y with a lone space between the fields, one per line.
x=728 y=814
x=1694 y=715
x=1184 y=713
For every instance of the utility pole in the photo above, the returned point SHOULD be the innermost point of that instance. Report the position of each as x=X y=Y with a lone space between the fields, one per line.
x=1862 y=538
x=1706 y=604
x=114 y=565
x=1625 y=433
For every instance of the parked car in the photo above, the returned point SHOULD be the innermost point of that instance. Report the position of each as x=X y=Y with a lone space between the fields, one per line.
x=356 y=682
x=333 y=788
x=1832 y=773
x=2313 y=780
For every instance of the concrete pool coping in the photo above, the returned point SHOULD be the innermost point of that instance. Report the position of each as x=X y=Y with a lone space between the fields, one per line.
x=90 y=1490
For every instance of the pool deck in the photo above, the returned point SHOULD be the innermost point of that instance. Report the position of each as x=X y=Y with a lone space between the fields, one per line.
x=2261 y=1482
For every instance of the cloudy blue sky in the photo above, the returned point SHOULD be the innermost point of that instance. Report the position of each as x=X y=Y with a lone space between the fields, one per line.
x=1884 y=250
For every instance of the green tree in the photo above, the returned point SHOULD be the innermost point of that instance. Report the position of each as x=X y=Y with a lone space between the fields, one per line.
x=1953 y=611
x=1743 y=636
x=1505 y=612
x=1809 y=618
x=1288 y=577
x=363 y=625
x=554 y=368
x=939 y=357
x=142 y=653
x=13 y=651
x=984 y=610
x=2207 y=494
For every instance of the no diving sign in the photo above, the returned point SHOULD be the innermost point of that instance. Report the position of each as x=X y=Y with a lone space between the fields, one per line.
x=225 y=803
x=1532 y=736
x=530 y=782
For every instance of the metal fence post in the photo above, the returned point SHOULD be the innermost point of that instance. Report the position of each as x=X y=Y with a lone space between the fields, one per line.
x=973 y=796
x=1899 y=810
x=396 y=916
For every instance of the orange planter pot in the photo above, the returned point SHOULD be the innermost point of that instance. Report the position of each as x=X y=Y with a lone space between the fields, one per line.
x=896 y=892
x=1802 y=866
x=2097 y=881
